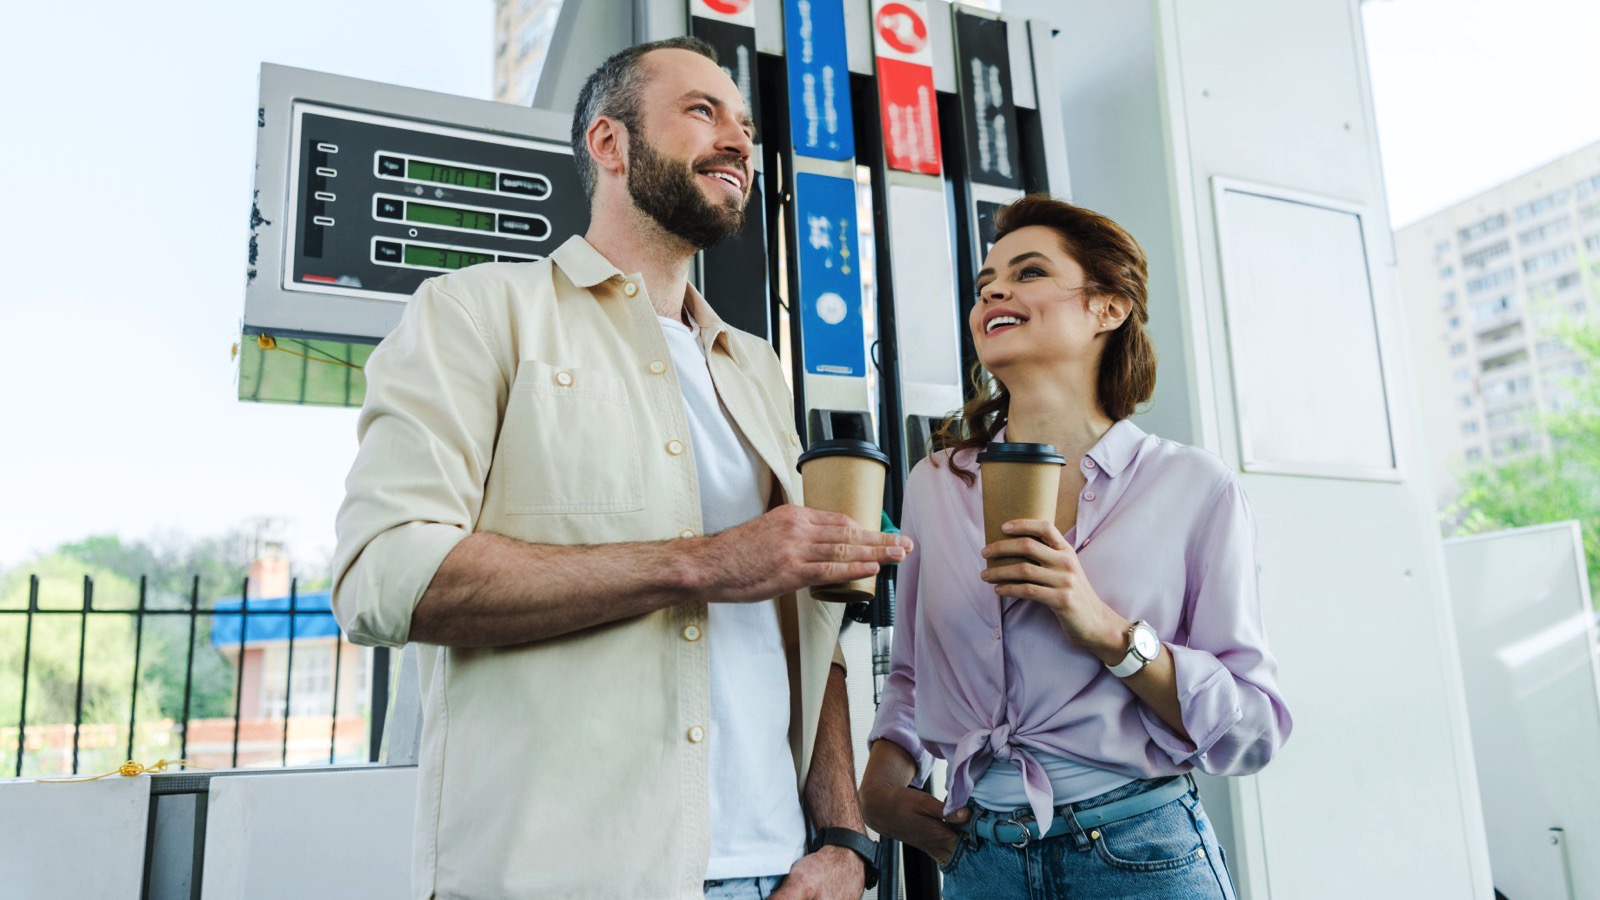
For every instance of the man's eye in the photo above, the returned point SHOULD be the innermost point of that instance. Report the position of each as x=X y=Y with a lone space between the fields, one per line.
x=701 y=107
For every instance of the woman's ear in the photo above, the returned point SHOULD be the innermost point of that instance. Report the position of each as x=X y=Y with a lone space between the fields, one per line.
x=1109 y=311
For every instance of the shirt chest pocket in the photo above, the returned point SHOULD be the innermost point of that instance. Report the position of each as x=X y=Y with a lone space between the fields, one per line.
x=569 y=443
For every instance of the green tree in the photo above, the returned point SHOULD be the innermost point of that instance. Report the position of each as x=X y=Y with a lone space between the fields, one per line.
x=53 y=653
x=1552 y=487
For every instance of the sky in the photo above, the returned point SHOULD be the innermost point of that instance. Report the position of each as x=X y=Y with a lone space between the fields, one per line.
x=127 y=138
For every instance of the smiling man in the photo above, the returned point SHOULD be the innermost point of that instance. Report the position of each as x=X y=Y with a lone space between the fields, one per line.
x=576 y=491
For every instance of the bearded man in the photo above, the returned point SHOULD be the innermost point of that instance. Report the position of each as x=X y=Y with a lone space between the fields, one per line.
x=576 y=492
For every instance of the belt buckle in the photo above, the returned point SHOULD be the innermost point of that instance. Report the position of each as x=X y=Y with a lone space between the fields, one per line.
x=1027 y=834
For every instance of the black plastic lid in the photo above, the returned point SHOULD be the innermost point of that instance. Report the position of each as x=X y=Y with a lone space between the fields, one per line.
x=1022 y=453
x=845 y=447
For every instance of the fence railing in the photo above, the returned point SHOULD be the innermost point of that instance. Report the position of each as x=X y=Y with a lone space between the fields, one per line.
x=250 y=737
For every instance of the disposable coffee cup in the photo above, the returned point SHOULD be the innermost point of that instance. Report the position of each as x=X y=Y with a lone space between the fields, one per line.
x=846 y=476
x=1020 y=481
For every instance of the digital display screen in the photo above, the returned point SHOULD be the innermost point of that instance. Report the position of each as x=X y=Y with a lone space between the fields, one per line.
x=441 y=258
x=427 y=214
x=456 y=176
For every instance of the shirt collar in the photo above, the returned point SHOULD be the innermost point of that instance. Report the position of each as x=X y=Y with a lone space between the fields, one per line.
x=1115 y=449
x=586 y=267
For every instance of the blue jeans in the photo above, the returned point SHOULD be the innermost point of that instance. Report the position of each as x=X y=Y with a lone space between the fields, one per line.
x=1168 y=853
x=743 y=888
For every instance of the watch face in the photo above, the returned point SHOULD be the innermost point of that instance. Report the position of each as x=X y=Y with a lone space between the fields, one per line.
x=1145 y=641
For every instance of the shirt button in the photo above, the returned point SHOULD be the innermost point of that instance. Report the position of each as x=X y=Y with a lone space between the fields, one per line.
x=691 y=633
x=564 y=379
x=675 y=447
x=686 y=533
x=657 y=367
x=997 y=634
x=1088 y=495
x=630 y=288
x=794 y=439
x=1088 y=463
x=697 y=734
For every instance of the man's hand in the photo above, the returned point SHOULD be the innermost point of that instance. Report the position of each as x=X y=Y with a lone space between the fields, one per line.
x=789 y=548
x=831 y=873
x=912 y=817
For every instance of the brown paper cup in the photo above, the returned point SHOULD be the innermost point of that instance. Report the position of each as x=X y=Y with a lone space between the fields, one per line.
x=1020 y=481
x=846 y=476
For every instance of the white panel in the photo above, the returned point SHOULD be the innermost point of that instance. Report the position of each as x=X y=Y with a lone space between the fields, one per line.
x=1528 y=651
x=1307 y=374
x=84 y=839
x=347 y=835
x=924 y=289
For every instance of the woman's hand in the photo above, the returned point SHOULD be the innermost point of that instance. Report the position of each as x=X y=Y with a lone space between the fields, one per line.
x=904 y=813
x=1052 y=575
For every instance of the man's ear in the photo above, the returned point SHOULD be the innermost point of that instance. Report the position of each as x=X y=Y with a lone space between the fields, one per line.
x=607 y=140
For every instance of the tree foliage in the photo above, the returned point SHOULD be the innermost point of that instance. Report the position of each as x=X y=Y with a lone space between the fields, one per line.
x=1559 y=485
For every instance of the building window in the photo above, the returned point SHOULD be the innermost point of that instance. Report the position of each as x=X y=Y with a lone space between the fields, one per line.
x=1462 y=374
x=1459 y=348
x=1474 y=454
x=1447 y=271
x=1449 y=300
x=1441 y=249
x=1453 y=322
x=1587 y=187
x=1481 y=228
x=1542 y=205
x=1592 y=243
x=1490 y=310
x=1492 y=280
x=1548 y=260
x=1464 y=401
x=1480 y=258
x=1469 y=427
x=1544 y=232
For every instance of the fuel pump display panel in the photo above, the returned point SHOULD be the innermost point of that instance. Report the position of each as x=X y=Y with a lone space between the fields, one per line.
x=378 y=204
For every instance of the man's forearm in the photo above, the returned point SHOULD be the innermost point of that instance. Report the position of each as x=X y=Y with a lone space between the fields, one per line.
x=493 y=590
x=830 y=794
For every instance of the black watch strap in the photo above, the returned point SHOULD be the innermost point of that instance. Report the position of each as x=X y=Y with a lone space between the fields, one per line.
x=860 y=844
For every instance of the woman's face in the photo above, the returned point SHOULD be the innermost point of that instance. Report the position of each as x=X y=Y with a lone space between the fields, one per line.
x=1032 y=306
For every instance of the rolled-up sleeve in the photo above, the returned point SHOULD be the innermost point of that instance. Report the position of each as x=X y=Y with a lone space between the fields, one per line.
x=1227 y=678
x=897 y=711
x=426 y=433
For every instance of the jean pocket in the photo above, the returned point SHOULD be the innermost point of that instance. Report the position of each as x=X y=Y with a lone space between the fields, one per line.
x=948 y=866
x=1161 y=840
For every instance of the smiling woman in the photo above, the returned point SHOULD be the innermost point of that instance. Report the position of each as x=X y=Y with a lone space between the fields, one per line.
x=1131 y=650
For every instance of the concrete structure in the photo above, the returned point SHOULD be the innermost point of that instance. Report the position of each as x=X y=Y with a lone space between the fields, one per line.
x=1487 y=284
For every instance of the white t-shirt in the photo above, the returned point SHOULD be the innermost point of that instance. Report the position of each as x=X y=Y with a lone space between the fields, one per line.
x=757 y=827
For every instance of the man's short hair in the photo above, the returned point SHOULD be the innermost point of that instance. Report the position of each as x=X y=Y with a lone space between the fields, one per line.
x=613 y=90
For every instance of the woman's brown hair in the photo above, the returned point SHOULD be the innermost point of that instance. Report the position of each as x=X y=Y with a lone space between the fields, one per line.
x=1113 y=266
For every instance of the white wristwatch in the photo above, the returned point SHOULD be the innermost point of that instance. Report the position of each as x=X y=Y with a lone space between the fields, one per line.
x=1144 y=645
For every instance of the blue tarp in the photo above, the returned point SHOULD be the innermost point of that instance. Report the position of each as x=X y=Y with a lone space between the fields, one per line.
x=269 y=619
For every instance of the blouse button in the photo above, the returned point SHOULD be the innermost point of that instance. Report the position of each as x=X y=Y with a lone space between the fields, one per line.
x=691 y=633
x=675 y=447
x=564 y=379
x=697 y=734
x=1088 y=495
x=686 y=533
x=1088 y=463
x=657 y=367
x=630 y=288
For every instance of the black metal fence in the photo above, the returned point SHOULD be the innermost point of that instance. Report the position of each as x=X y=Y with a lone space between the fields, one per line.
x=191 y=614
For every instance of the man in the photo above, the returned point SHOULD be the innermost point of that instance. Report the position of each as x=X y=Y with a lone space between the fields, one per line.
x=576 y=491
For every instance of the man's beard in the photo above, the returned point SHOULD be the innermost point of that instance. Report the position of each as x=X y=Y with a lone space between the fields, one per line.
x=668 y=191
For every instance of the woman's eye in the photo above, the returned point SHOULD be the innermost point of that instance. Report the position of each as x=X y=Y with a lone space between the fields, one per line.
x=1030 y=272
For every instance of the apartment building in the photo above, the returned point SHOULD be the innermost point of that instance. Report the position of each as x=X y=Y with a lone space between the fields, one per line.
x=1488 y=285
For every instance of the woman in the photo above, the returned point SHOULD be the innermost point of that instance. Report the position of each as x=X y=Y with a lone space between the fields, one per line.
x=1071 y=695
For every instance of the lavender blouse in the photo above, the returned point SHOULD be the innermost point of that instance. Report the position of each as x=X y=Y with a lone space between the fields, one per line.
x=1165 y=535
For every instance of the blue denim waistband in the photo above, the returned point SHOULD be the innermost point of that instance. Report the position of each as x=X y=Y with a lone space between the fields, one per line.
x=1021 y=830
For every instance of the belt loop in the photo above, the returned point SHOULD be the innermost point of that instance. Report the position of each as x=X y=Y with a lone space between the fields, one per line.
x=1080 y=840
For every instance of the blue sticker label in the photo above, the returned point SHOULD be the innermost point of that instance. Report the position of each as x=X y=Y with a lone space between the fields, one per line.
x=819 y=78
x=832 y=332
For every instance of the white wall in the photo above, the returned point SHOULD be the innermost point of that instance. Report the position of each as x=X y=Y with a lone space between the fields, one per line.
x=1375 y=795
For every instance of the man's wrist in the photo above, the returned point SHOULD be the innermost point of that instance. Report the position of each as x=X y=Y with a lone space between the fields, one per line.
x=856 y=845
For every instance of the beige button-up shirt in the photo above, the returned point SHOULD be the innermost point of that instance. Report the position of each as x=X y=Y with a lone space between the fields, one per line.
x=537 y=401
